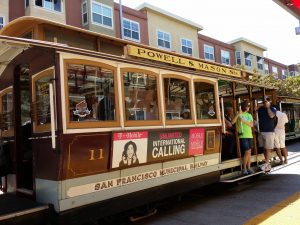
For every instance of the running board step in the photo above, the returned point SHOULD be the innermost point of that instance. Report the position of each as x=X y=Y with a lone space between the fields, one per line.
x=235 y=179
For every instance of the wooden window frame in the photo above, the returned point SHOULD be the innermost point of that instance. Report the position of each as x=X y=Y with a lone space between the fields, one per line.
x=45 y=127
x=10 y=132
x=179 y=121
x=90 y=124
x=132 y=123
x=215 y=84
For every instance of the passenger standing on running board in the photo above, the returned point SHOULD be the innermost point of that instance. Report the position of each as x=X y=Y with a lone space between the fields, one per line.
x=279 y=144
x=245 y=124
x=266 y=115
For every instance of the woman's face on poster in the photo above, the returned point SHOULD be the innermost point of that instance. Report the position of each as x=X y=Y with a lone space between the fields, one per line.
x=130 y=151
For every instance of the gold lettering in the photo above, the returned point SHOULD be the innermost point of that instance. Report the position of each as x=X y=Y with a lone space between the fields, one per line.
x=92 y=154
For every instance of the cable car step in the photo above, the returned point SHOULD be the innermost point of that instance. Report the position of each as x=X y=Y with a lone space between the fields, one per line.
x=239 y=178
x=17 y=210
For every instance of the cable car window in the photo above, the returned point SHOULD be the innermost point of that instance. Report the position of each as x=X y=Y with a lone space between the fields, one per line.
x=41 y=101
x=140 y=96
x=205 y=100
x=6 y=112
x=177 y=99
x=91 y=93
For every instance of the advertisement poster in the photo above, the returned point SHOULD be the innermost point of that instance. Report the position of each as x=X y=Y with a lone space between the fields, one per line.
x=129 y=149
x=196 y=141
x=167 y=145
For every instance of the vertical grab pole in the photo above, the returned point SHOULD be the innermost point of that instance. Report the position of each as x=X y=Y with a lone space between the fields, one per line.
x=256 y=106
x=223 y=116
x=52 y=119
x=239 y=101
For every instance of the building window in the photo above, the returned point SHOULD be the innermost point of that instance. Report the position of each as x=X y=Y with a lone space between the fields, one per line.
x=26 y=3
x=54 y=5
x=209 y=52
x=248 y=59
x=292 y=73
x=186 y=46
x=131 y=30
x=1 y=22
x=163 y=40
x=225 y=57
x=238 y=58
x=275 y=71
x=283 y=74
x=267 y=71
x=102 y=14
x=259 y=63
x=84 y=13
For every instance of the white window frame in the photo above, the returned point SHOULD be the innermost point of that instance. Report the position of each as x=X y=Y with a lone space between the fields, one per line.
x=213 y=52
x=283 y=74
x=266 y=67
x=223 y=57
x=25 y=3
x=52 y=8
x=139 y=30
x=163 y=47
x=275 y=71
x=182 y=45
x=247 y=60
x=82 y=13
x=3 y=24
x=99 y=24
x=238 y=58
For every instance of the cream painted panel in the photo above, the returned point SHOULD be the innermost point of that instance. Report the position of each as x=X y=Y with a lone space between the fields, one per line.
x=176 y=29
x=85 y=185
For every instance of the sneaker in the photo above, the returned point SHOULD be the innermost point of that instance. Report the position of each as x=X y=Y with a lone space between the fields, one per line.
x=268 y=167
x=285 y=162
x=250 y=171
x=244 y=172
x=281 y=162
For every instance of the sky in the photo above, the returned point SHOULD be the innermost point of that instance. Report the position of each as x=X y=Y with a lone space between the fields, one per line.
x=261 y=21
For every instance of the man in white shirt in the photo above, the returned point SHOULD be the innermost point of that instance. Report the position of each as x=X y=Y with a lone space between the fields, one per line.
x=279 y=142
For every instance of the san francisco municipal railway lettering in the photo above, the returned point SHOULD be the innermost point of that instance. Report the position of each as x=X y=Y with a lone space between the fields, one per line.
x=148 y=175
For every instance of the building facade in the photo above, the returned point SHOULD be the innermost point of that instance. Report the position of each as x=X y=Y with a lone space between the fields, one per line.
x=149 y=25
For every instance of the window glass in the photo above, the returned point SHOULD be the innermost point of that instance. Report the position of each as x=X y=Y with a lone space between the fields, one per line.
x=248 y=59
x=42 y=104
x=163 y=39
x=49 y=4
x=1 y=22
x=259 y=63
x=7 y=111
x=131 y=30
x=225 y=57
x=266 y=68
x=91 y=93
x=238 y=58
x=177 y=99
x=140 y=95
x=84 y=13
x=209 y=52
x=186 y=46
x=101 y=14
x=205 y=100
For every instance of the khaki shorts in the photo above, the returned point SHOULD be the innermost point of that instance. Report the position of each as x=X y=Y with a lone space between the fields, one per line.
x=268 y=139
x=279 y=138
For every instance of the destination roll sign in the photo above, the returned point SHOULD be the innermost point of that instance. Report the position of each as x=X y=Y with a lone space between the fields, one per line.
x=181 y=61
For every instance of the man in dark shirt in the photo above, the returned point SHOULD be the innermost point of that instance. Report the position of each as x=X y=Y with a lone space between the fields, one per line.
x=266 y=115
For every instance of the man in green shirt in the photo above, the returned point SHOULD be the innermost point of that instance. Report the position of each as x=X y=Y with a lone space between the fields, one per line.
x=244 y=121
